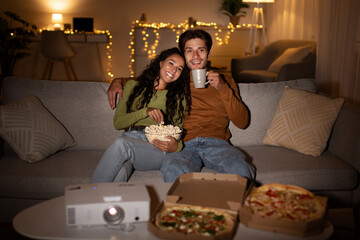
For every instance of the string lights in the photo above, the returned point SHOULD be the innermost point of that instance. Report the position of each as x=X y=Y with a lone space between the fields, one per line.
x=108 y=54
x=151 y=30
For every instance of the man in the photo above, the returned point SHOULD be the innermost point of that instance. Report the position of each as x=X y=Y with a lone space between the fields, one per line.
x=207 y=134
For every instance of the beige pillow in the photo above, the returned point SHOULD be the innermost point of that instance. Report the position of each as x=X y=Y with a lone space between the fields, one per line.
x=31 y=130
x=303 y=121
x=291 y=55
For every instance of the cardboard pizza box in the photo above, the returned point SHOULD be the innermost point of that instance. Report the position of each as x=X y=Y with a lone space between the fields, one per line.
x=284 y=226
x=224 y=192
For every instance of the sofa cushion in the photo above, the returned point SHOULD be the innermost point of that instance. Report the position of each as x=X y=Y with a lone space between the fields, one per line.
x=291 y=55
x=303 y=121
x=31 y=130
x=45 y=179
x=82 y=107
x=262 y=100
x=277 y=164
x=41 y=180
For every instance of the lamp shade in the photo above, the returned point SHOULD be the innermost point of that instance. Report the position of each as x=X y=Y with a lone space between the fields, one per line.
x=57 y=18
x=259 y=1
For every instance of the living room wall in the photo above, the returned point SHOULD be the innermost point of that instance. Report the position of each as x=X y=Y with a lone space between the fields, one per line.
x=284 y=19
x=117 y=17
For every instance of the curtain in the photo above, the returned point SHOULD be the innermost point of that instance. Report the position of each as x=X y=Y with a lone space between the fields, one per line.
x=334 y=24
x=292 y=19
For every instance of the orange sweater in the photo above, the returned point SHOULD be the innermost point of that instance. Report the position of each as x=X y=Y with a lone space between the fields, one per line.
x=212 y=109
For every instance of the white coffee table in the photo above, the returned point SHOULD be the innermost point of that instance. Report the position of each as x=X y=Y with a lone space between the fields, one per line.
x=47 y=221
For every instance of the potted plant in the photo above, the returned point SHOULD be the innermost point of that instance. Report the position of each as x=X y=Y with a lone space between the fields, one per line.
x=16 y=35
x=232 y=8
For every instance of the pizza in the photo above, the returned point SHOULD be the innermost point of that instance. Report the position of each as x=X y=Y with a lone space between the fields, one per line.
x=281 y=201
x=194 y=220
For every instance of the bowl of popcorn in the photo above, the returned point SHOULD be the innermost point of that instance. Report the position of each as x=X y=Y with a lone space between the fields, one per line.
x=161 y=132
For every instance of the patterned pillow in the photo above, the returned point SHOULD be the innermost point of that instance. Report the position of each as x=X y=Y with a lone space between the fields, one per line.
x=291 y=55
x=31 y=130
x=303 y=121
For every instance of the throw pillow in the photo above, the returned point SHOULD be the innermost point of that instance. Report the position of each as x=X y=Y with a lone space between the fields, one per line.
x=262 y=100
x=291 y=55
x=31 y=130
x=303 y=121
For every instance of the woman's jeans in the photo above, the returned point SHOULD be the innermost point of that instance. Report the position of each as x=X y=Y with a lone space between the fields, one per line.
x=212 y=153
x=129 y=151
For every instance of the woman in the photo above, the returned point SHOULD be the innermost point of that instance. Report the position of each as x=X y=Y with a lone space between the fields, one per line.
x=161 y=94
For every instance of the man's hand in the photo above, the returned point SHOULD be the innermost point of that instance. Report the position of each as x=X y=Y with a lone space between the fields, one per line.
x=155 y=114
x=215 y=80
x=115 y=88
x=165 y=146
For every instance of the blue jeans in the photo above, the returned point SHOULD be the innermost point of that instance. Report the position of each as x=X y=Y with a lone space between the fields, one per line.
x=129 y=151
x=212 y=153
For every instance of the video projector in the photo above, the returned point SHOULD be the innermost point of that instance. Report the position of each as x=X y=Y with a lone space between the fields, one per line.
x=106 y=204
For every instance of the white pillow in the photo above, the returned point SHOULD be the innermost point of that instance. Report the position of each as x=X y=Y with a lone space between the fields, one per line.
x=31 y=130
x=291 y=55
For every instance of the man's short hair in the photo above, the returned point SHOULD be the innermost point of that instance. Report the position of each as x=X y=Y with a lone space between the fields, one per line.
x=191 y=34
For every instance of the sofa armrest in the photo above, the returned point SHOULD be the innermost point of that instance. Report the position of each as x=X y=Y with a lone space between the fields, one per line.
x=254 y=62
x=291 y=71
x=345 y=137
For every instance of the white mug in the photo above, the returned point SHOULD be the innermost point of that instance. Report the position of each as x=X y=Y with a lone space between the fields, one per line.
x=199 y=77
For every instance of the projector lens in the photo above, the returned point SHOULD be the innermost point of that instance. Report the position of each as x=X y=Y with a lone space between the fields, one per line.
x=112 y=211
x=114 y=215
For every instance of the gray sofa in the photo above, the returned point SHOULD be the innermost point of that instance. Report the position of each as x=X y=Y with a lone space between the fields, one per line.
x=83 y=109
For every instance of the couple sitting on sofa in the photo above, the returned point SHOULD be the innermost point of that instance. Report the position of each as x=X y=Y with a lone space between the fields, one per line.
x=205 y=117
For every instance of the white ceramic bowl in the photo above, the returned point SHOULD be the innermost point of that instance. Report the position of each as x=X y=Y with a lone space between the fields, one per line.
x=152 y=134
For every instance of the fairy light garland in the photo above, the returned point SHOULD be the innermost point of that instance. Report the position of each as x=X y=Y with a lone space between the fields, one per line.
x=108 y=51
x=146 y=33
x=109 y=56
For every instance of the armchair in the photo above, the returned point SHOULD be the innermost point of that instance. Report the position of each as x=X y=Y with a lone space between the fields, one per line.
x=255 y=68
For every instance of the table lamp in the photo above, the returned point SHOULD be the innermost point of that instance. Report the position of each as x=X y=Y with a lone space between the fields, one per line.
x=57 y=19
x=258 y=12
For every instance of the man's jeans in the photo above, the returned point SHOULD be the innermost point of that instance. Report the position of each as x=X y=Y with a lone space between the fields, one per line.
x=129 y=151
x=212 y=153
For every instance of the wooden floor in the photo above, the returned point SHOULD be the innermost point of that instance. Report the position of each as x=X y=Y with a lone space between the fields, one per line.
x=343 y=220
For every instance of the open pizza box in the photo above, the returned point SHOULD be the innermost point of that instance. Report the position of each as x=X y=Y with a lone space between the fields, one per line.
x=224 y=192
x=283 y=226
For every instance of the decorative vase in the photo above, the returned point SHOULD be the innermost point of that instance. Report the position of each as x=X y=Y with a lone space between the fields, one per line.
x=143 y=18
x=192 y=21
x=234 y=20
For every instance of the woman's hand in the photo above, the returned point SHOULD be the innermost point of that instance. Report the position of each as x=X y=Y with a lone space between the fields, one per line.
x=155 y=114
x=170 y=146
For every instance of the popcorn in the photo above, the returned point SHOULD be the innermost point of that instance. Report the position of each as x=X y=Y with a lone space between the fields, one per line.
x=162 y=131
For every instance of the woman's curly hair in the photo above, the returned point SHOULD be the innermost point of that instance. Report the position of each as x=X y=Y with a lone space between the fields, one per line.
x=177 y=90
